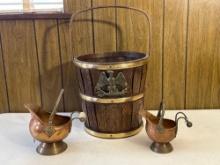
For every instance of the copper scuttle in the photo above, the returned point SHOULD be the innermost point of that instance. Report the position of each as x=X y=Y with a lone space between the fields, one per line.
x=50 y=128
x=162 y=130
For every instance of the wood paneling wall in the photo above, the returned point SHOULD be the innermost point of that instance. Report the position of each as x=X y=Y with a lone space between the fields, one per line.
x=174 y=51
x=203 y=55
x=184 y=67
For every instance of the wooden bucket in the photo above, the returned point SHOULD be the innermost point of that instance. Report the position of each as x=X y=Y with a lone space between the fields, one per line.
x=112 y=89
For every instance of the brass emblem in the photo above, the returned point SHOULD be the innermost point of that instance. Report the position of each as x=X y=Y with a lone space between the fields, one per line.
x=108 y=85
x=49 y=130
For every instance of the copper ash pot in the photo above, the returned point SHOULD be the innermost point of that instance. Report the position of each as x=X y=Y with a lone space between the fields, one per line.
x=50 y=135
x=162 y=130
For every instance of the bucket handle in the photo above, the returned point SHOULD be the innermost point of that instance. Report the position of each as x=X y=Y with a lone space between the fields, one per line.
x=74 y=15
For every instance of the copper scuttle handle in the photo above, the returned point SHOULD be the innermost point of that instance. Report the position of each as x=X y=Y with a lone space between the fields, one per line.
x=81 y=116
x=183 y=116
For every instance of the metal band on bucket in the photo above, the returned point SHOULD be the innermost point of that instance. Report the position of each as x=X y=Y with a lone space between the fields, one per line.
x=114 y=135
x=111 y=66
x=111 y=100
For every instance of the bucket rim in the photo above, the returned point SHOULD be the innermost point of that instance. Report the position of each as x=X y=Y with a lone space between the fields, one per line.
x=142 y=60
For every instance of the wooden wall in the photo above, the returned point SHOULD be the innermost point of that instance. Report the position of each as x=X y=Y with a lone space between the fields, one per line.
x=184 y=67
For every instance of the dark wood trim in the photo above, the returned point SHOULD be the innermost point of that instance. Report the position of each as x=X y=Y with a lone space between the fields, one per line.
x=27 y=16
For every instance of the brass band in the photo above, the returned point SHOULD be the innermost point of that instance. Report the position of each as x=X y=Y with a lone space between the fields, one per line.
x=112 y=66
x=113 y=135
x=111 y=100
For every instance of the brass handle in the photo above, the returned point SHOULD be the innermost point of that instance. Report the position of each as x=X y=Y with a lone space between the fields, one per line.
x=160 y=115
x=188 y=123
x=81 y=116
x=112 y=6
x=50 y=121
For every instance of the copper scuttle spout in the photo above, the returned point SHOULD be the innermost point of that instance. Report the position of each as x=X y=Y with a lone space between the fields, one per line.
x=50 y=128
x=162 y=130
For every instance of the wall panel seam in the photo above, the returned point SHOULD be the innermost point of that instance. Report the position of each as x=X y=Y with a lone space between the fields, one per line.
x=186 y=52
x=38 y=63
x=93 y=28
x=116 y=31
x=94 y=50
x=5 y=78
x=163 y=33
x=61 y=63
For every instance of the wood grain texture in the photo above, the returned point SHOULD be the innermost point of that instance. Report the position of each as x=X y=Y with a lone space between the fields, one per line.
x=68 y=6
x=82 y=38
x=49 y=62
x=134 y=37
x=137 y=105
x=126 y=116
x=112 y=118
x=174 y=53
x=82 y=90
x=88 y=89
x=82 y=34
x=193 y=78
x=203 y=60
x=70 y=83
x=101 y=112
x=4 y=107
x=110 y=113
x=104 y=27
x=21 y=65
x=136 y=119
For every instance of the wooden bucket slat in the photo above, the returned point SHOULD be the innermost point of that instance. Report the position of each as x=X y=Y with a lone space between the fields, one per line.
x=90 y=107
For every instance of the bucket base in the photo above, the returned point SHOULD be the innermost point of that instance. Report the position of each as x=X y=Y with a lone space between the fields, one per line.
x=51 y=148
x=113 y=135
x=161 y=147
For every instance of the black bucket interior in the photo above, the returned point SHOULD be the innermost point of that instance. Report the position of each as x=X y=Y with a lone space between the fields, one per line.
x=111 y=57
